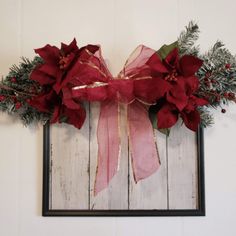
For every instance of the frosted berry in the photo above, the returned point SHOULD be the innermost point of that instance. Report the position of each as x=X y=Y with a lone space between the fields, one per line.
x=2 y=98
x=13 y=80
x=18 y=105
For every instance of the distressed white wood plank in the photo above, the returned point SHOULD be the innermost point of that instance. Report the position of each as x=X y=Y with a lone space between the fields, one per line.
x=69 y=170
x=182 y=168
x=151 y=193
x=115 y=196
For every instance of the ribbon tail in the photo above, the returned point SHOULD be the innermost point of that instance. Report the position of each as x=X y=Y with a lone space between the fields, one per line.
x=108 y=145
x=145 y=158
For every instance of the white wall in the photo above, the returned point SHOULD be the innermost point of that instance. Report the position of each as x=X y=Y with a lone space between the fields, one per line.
x=119 y=26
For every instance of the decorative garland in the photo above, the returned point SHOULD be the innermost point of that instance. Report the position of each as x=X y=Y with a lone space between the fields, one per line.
x=160 y=86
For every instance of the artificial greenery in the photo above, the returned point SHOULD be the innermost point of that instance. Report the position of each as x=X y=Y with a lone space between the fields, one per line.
x=217 y=78
x=217 y=75
x=16 y=89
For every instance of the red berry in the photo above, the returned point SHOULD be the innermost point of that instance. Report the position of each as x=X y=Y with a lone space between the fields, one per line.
x=223 y=110
x=231 y=96
x=2 y=98
x=226 y=95
x=13 y=80
x=18 y=105
x=227 y=66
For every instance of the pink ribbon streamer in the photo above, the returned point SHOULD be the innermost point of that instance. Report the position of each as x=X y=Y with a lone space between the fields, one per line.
x=143 y=147
x=108 y=145
x=145 y=159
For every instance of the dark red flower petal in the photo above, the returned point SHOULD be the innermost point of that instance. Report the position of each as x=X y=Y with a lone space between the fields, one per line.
x=189 y=65
x=156 y=64
x=72 y=47
x=50 y=54
x=41 y=77
x=172 y=59
x=167 y=116
x=191 y=119
x=43 y=102
x=191 y=84
x=177 y=96
x=49 y=69
x=201 y=101
x=74 y=117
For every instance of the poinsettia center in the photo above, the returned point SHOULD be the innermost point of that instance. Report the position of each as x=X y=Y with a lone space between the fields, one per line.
x=172 y=76
x=64 y=61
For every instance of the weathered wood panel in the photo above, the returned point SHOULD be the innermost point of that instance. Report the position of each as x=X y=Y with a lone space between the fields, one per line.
x=69 y=167
x=74 y=163
x=182 y=168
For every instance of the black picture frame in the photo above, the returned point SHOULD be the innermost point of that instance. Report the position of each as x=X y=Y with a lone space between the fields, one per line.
x=46 y=211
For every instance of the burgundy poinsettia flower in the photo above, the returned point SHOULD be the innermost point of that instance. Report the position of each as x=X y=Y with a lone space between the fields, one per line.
x=168 y=114
x=54 y=75
x=180 y=98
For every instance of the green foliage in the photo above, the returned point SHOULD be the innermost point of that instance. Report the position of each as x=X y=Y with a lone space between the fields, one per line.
x=187 y=40
x=17 y=87
x=217 y=76
x=166 y=49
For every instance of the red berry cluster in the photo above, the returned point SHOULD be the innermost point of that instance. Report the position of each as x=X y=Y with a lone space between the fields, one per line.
x=230 y=96
x=207 y=80
x=2 y=98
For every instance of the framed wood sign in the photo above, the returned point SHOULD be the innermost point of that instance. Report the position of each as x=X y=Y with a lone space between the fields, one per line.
x=70 y=162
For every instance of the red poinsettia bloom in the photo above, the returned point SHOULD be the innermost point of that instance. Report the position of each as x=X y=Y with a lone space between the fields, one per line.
x=180 y=98
x=52 y=75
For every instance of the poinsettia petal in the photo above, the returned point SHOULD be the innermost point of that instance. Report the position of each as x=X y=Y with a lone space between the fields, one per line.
x=41 y=77
x=191 y=84
x=200 y=101
x=177 y=96
x=72 y=47
x=156 y=64
x=166 y=117
x=74 y=117
x=172 y=59
x=49 y=53
x=189 y=65
x=43 y=102
x=191 y=119
x=57 y=85
x=49 y=69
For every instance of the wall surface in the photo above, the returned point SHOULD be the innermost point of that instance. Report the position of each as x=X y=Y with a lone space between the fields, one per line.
x=119 y=26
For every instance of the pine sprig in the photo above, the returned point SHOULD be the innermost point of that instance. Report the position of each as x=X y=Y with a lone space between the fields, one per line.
x=217 y=76
x=187 y=40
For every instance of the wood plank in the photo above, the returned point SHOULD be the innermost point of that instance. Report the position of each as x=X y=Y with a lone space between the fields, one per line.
x=151 y=193
x=116 y=195
x=182 y=168
x=69 y=168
